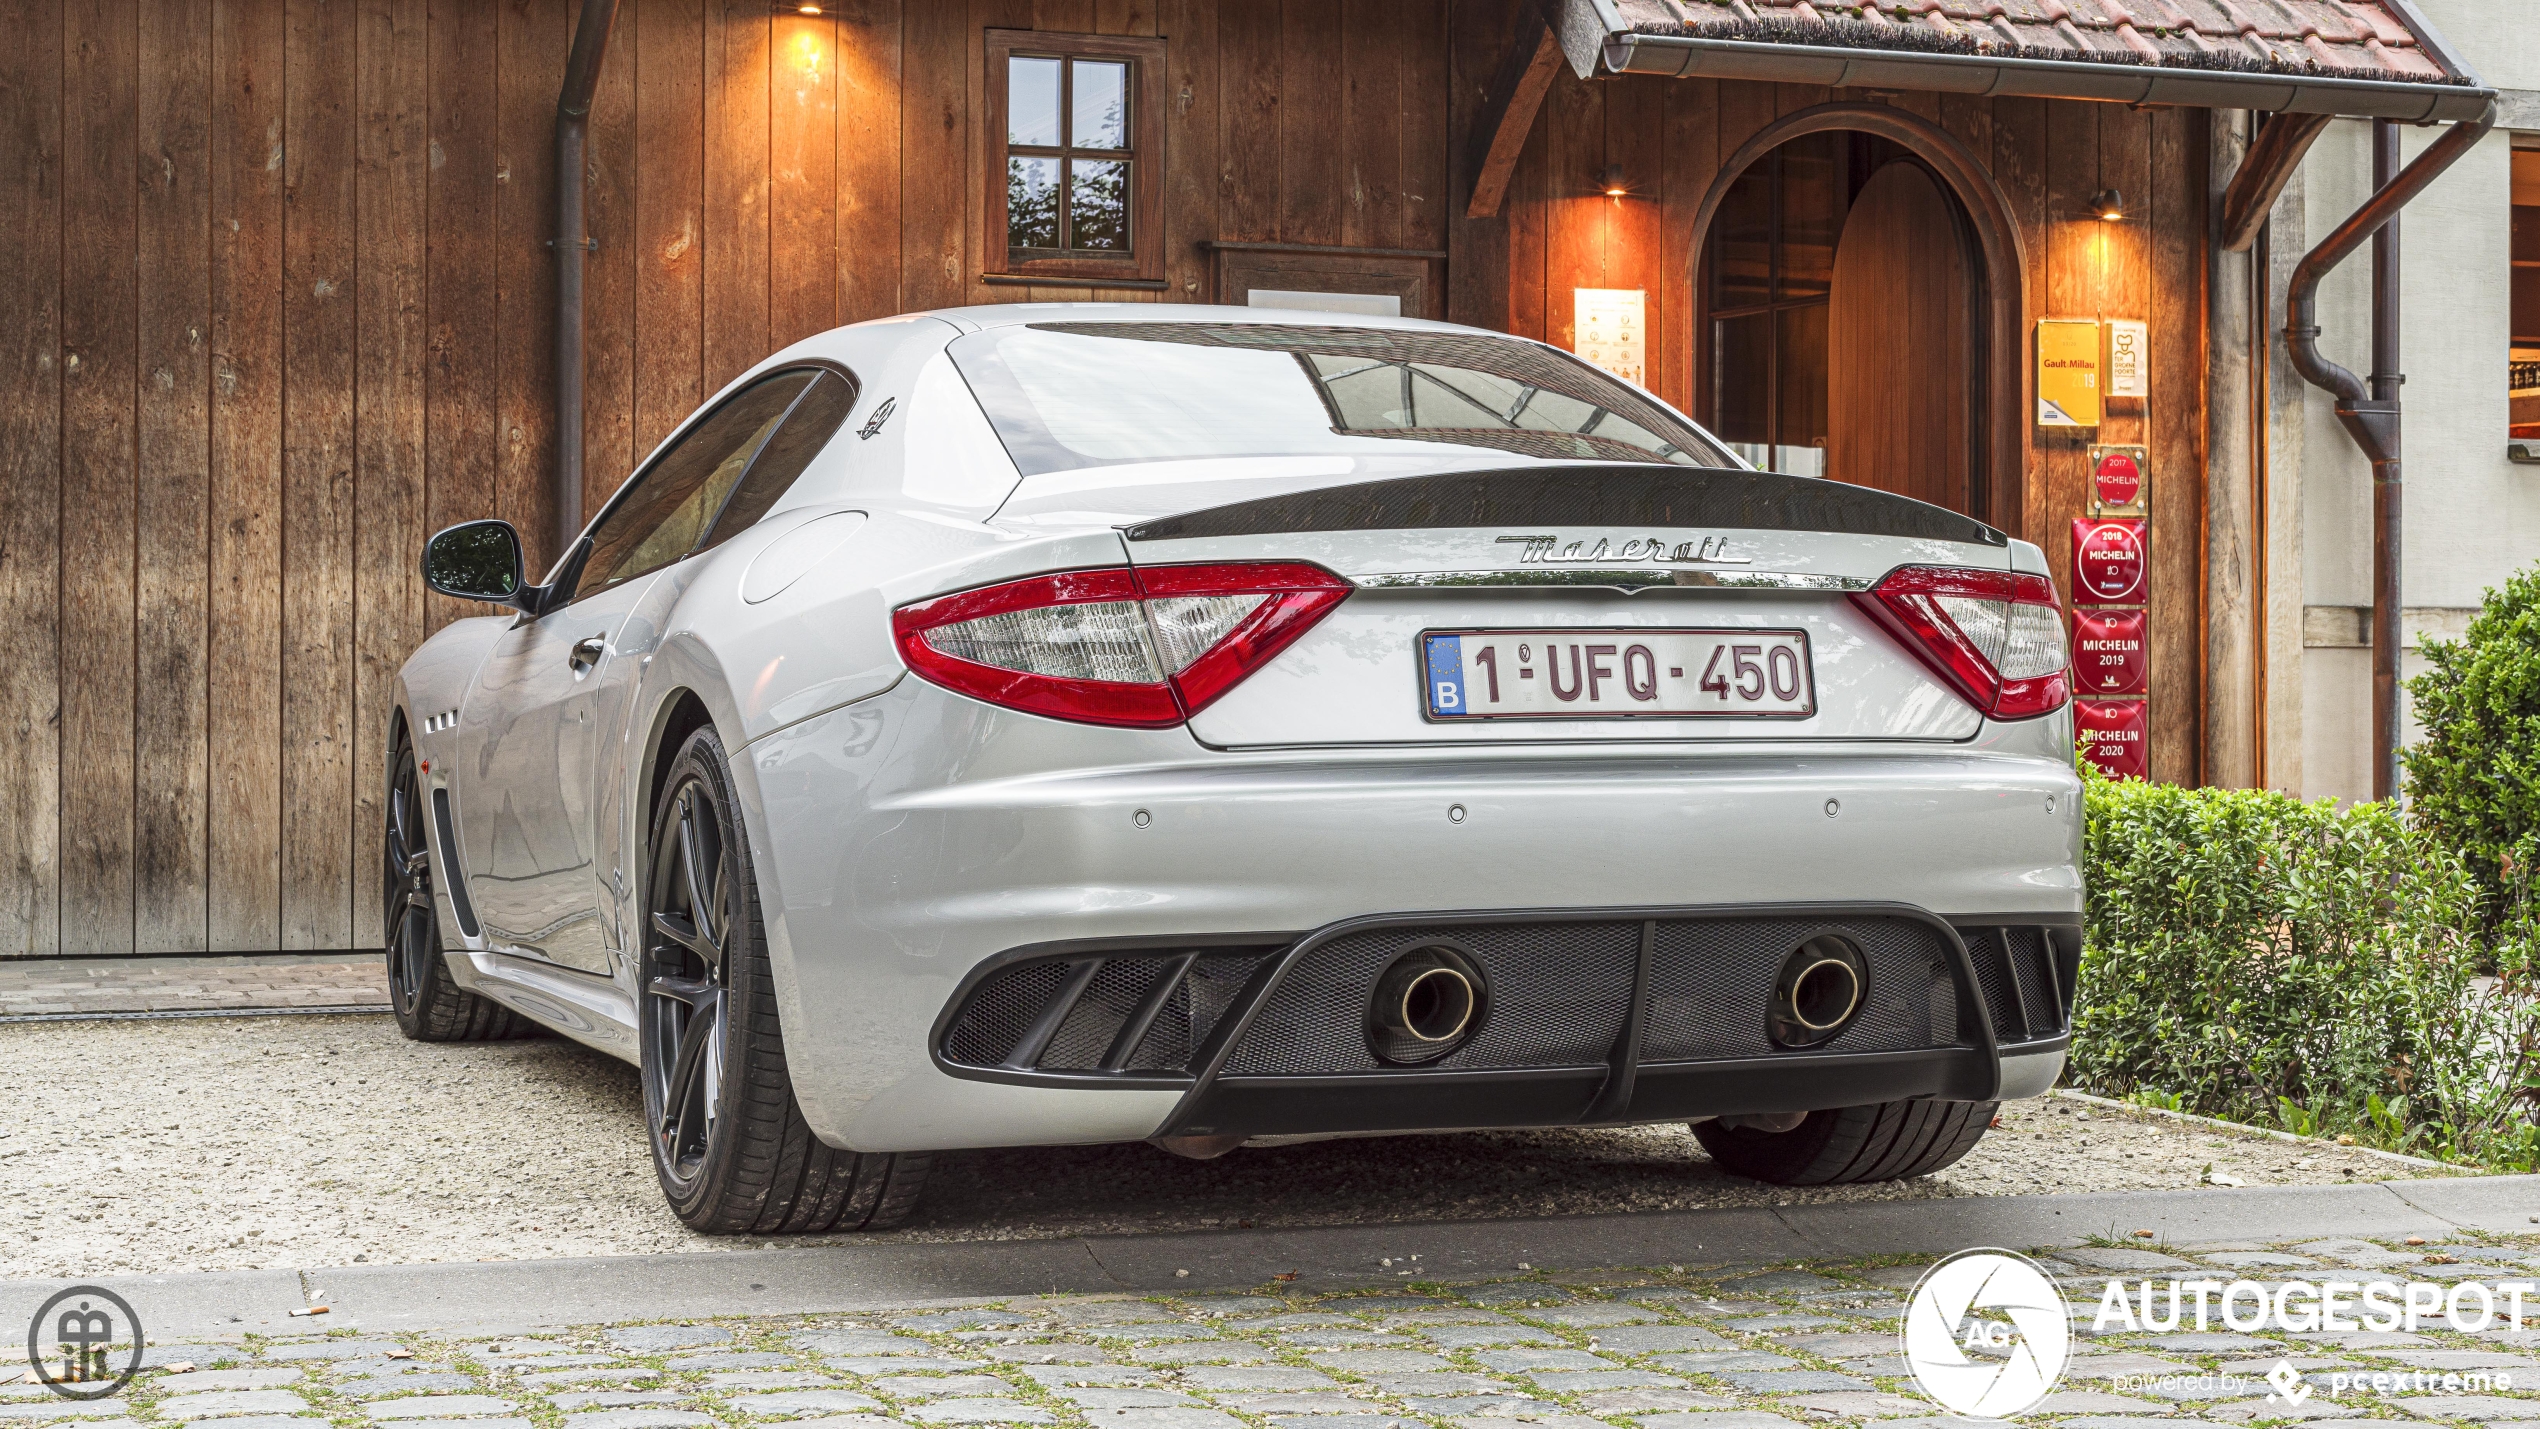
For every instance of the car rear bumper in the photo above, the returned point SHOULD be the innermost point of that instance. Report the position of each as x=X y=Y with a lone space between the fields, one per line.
x=908 y=842
x=1587 y=1016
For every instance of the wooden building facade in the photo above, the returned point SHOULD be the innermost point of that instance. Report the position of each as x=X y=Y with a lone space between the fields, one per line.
x=281 y=304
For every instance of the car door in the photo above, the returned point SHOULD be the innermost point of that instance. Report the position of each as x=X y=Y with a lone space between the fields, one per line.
x=531 y=729
x=609 y=696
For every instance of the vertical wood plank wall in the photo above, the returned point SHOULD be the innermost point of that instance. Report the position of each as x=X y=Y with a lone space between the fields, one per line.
x=281 y=306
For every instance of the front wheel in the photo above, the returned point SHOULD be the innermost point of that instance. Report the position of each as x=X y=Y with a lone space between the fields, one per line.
x=430 y=1006
x=730 y=1145
x=1886 y=1142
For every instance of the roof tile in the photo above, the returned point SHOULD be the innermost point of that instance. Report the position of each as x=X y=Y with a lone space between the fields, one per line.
x=2342 y=39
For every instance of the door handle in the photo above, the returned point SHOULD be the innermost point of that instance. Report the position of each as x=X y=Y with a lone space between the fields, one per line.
x=587 y=653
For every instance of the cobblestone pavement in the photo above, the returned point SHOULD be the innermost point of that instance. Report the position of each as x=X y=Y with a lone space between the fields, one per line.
x=1669 y=1348
x=59 y=987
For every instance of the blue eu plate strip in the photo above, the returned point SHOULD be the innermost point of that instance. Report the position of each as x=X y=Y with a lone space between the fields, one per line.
x=1446 y=675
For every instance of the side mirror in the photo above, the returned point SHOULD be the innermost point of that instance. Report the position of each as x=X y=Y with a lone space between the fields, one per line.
x=475 y=560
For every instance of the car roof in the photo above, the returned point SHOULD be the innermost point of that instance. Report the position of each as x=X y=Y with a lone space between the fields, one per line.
x=1013 y=314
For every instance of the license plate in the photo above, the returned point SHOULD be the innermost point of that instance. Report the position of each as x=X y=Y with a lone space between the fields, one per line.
x=1617 y=674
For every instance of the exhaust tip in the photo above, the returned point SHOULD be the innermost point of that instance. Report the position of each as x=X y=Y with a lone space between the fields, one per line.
x=1819 y=991
x=1427 y=1003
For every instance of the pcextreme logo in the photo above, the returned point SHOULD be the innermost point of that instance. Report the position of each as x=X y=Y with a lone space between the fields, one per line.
x=1986 y=1334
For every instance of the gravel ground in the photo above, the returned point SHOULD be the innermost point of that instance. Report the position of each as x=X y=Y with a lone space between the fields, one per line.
x=312 y=1141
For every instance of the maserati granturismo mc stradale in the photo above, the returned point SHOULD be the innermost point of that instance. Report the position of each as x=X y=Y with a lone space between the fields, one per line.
x=1056 y=724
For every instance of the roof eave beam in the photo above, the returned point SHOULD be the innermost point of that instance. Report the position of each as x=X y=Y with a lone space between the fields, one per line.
x=2263 y=173
x=1508 y=111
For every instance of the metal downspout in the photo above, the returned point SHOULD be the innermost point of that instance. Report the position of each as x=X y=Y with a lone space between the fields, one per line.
x=573 y=244
x=2370 y=414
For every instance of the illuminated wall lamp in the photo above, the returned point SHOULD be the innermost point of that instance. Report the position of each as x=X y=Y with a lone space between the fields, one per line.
x=2108 y=206
x=797 y=7
x=1611 y=184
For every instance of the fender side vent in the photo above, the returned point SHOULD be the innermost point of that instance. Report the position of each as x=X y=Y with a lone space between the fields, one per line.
x=450 y=863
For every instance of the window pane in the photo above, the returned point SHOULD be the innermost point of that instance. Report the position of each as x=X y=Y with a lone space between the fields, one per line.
x=660 y=519
x=1812 y=215
x=1031 y=202
x=1438 y=399
x=1800 y=363
x=1370 y=395
x=1031 y=102
x=1098 y=205
x=1066 y=395
x=1742 y=361
x=1102 y=105
x=808 y=428
x=1742 y=253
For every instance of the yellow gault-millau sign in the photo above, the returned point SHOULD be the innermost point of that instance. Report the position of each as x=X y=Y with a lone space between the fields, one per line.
x=2068 y=386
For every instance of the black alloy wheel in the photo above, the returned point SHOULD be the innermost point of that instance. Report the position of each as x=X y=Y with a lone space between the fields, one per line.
x=405 y=900
x=429 y=1005
x=730 y=1145
x=686 y=1015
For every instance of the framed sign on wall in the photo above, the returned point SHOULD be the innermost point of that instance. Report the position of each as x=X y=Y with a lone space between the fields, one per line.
x=2068 y=388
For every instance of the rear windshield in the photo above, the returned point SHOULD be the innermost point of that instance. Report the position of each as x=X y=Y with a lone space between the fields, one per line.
x=1065 y=395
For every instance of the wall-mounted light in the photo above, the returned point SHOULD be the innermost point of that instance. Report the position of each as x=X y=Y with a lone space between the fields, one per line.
x=2108 y=205
x=797 y=7
x=1612 y=181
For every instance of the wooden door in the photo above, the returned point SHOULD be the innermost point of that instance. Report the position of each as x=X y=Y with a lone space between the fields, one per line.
x=1899 y=343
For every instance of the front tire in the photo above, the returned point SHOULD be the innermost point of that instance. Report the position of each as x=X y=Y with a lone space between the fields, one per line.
x=430 y=1006
x=730 y=1145
x=1886 y=1142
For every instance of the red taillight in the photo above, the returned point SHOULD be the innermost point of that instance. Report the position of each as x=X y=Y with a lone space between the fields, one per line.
x=1996 y=637
x=1141 y=648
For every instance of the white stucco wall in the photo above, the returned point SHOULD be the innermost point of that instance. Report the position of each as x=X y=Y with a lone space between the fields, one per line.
x=2471 y=516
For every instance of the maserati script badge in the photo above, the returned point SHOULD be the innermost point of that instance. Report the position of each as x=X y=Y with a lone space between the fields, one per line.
x=1548 y=551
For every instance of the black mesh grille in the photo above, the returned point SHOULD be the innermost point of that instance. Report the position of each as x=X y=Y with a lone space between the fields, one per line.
x=1711 y=982
x=1993 y=975
x=1556 y=994
x=999 y=1013
x=2032 y=963
x=1110 y=1000
x=1556 y=997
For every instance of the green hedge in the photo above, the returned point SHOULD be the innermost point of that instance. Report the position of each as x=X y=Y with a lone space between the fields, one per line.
x=2252 y=956
x=2474 y=775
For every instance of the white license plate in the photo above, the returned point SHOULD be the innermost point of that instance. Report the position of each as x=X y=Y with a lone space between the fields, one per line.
x=1617 y=674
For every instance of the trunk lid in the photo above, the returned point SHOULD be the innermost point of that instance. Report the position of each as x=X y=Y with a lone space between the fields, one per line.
x=1570 y=560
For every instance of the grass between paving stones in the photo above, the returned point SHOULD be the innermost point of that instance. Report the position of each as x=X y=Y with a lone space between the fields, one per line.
x=1746 y=1306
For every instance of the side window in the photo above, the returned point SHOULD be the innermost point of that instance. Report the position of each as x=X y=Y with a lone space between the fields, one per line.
x=662 y=516
x=815 y=418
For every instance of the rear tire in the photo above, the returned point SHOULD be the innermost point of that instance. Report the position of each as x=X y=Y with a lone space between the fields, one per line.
x=730 y=1146
x=1886 y=1142
x=430 y=1005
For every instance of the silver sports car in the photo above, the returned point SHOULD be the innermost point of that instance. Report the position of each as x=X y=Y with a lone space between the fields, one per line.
x=1058 y=724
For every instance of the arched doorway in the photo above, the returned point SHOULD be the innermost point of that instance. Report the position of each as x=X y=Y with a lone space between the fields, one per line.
x=1859 y=287
x=1904 y=380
